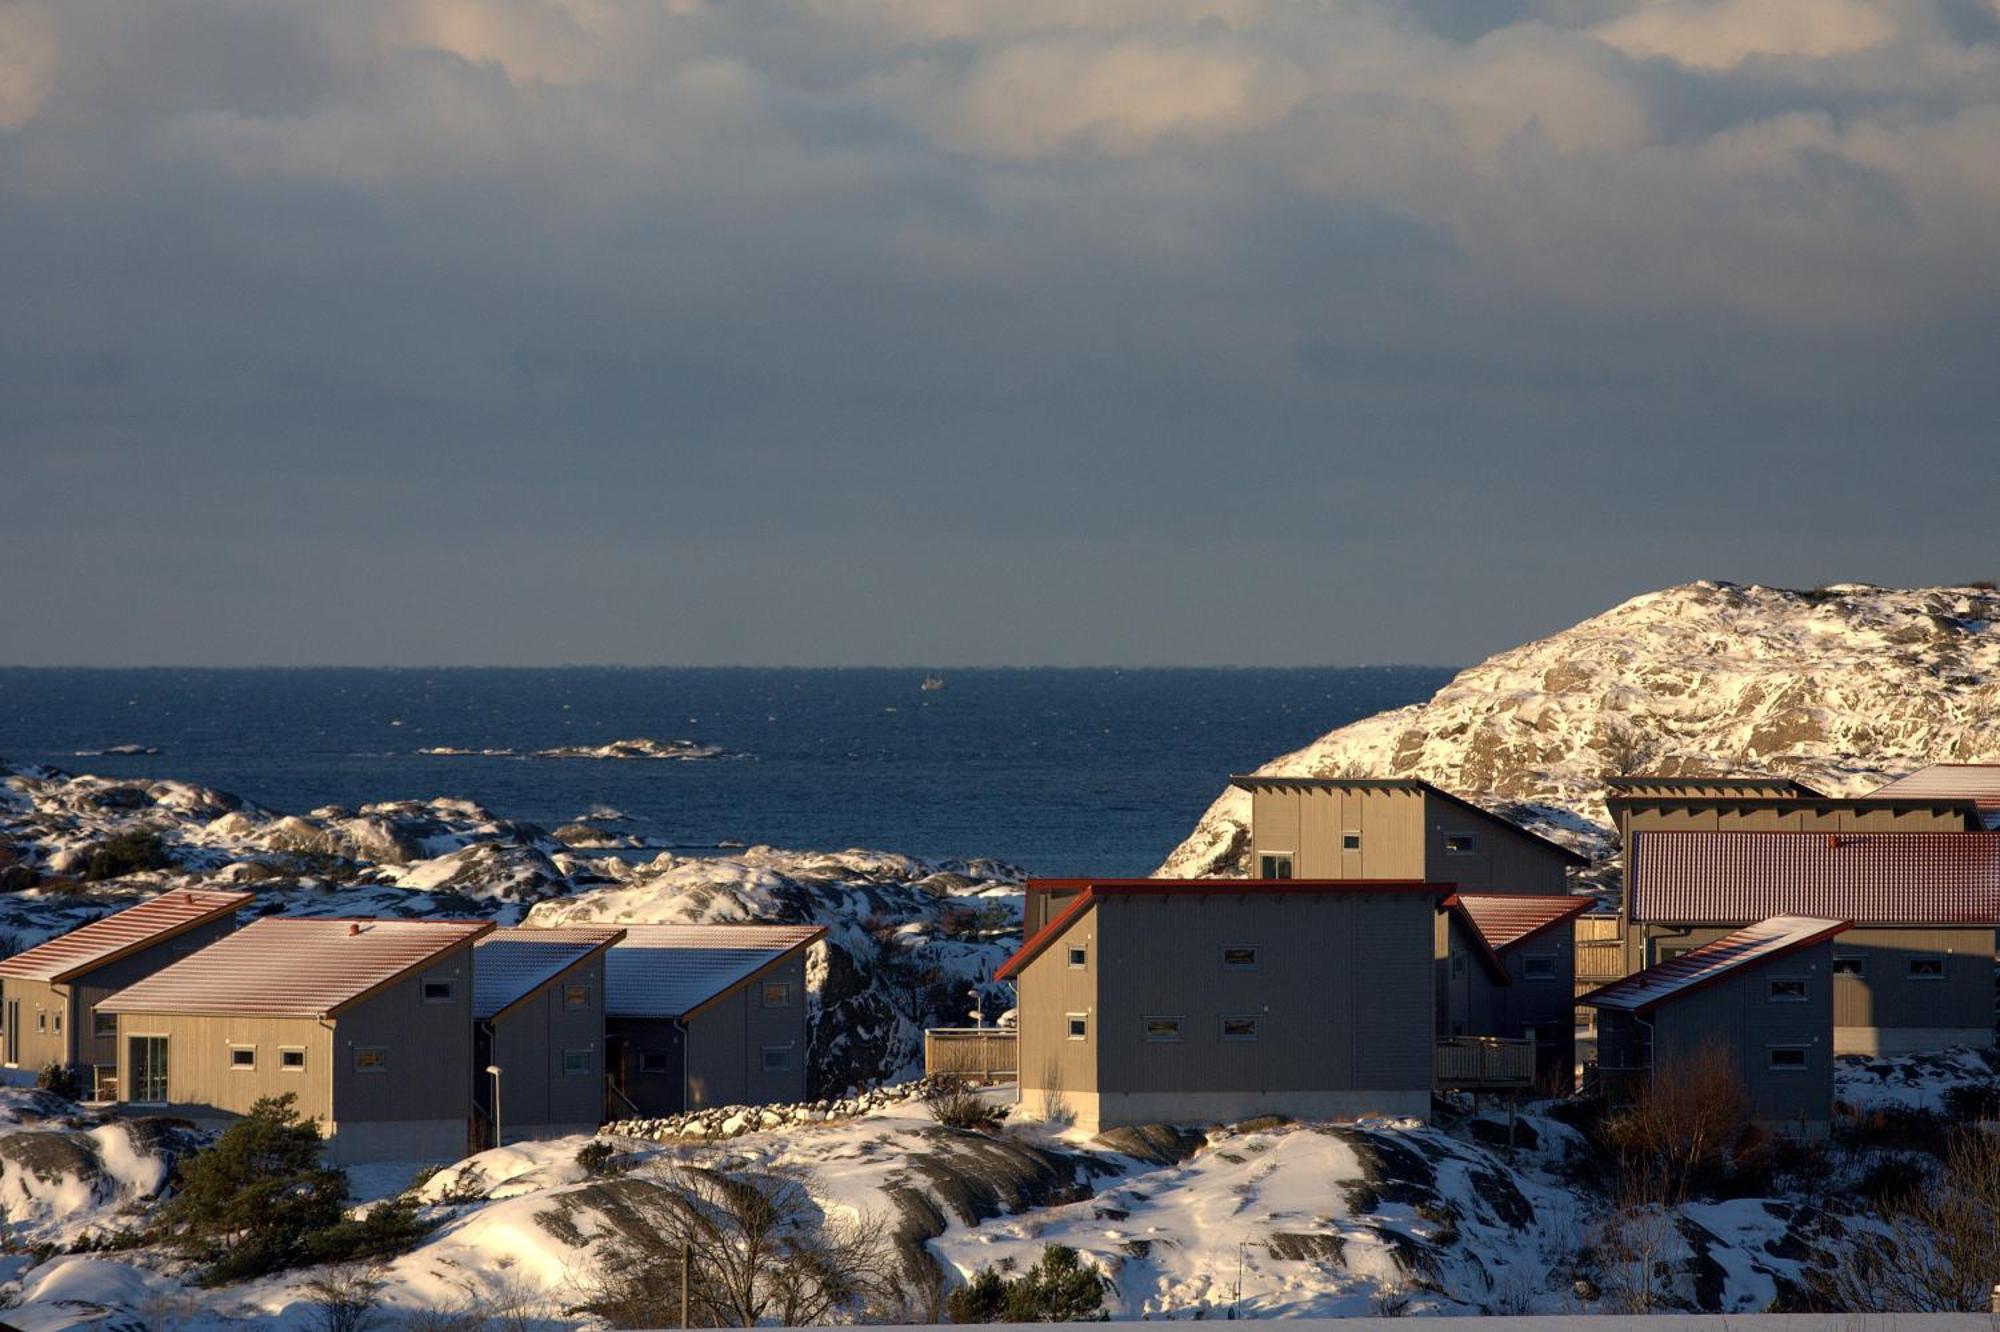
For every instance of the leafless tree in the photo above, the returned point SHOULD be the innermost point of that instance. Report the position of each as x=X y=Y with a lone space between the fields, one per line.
x=1692 y=1114
x=1937 y=1249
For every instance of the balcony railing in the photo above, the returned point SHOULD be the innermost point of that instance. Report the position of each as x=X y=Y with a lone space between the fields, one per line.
x=977 y=1054
x=1485 y=1063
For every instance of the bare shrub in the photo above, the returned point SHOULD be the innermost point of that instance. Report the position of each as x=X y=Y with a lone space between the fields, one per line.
x=344 y=1298
x=954 y=1103
x=1938 y=1246
x=1681 y=1130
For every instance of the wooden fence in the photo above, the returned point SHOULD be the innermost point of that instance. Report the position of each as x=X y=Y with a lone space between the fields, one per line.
x=1480 y=1063
x=977 y=1054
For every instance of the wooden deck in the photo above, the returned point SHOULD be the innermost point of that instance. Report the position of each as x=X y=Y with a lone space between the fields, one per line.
x=1485 y=1063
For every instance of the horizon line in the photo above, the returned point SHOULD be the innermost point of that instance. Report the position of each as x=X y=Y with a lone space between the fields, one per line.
x=737 y=666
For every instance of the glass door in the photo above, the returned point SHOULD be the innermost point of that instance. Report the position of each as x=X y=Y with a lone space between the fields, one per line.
x=146 y=1061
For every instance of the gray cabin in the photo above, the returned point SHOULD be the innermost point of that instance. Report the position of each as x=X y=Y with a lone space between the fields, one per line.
x=538 y=1006
x=1533 y=941
x=1762 y=996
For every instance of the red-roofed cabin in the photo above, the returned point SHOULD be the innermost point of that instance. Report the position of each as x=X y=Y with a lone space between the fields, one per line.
x=50 y=992
x=1191 y=1001
x=1513 y=961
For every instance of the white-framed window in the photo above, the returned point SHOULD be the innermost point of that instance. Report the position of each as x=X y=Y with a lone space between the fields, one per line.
x=1786 y=990
x=291 y=1059
x=653 y=1061
x=1538 y=968
x=57 y=1016
x=438 y=990
x=243 y=1058
x=1460 y=844
x=1850 y=964
x=1788 y=1057
x=1239 y=957
x=1076 y=957
x=1350 y=840
x=1274 y=865
x=777 y=1058
x=1163 y=1030
x=371 y=1059
x=1240 y=1026
x=103 y=1024
x=576 y=1063
x=777 y=994
x=1077 y=1026
x=41 y=1020
x=1927 y=968
x=576 y=996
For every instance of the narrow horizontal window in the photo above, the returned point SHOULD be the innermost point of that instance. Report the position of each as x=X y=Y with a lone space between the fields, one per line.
x=437 y=991
x=1076 y=957
x=777 y=994
x=292 y=1060
x=1163 y=1029
x=576 y=1063
x=1239 y=957
x=1538 y=968
x=1460 y=844
x=1786 y=991
x=1078 y=1025
x=1850 y=964
x=1274 y=865
x=104 y=1024
x=243 y=1056
x=1788 y=1056
x=576 y=996
x=653 y=1062
x=1240 y=1028
x=1926 y=968
x=1350 y=841
x=371 y=1059
x=777 y=1059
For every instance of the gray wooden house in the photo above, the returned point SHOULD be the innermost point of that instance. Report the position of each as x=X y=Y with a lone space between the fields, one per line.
x=1533 y=941
x=1915 y=972
x=707 y=1015
x=538 y=1002
x=49 y=993
x=1763 y=995
x=369 y=1022
x=1191 y=1001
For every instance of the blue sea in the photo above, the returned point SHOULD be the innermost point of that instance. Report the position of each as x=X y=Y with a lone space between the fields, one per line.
x=1058 y=771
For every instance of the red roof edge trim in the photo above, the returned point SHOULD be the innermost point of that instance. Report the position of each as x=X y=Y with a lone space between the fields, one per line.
x=1487 y=952
x=1043 y=937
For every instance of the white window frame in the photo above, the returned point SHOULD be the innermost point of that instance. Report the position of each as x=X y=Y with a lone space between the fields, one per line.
x=1254 y=964
x=298 y=1050
x=242 y=1047
x=1255 y=1020
x=1910 y=972
x=1175 y=1037
x=1350 y=839
x=1076 y=1026
x=1528 y=967
x=1076 y=957
x=125 y=1057
x=1771 y=995
x=1471 y=847
x=1265 y=861
x=1771 y=1058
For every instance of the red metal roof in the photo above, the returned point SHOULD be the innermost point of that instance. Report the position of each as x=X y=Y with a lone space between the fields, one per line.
x=1507 y=919
x=1767 y=939
x=1977 y=782
x=1094 y=890
x=120 y=935
x=285 y=966
x=1731 y=878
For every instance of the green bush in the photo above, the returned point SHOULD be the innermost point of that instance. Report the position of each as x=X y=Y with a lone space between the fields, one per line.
x=125 y=853
x=65 y=1080
x=1060 y=1288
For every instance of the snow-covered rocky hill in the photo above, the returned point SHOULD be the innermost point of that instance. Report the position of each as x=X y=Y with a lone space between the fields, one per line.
x=907 y=939
x=1842 y=687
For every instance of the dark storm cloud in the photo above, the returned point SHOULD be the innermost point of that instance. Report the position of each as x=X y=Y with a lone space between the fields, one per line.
x=1066 y=330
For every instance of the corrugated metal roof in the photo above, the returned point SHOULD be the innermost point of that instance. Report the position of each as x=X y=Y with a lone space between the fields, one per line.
x=1092 y=890
x=668 y=971
x=1507 y=919
x=1711 y=962
x=1977 y=782
x=1729 y=878
x=121 y=934
x=509 y=965
x=284 y=966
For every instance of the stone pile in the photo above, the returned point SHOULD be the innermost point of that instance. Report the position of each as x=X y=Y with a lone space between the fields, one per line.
x=732 y=1121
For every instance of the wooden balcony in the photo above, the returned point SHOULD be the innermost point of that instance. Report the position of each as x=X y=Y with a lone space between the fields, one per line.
x=976 y=1054
x=1484 y=1063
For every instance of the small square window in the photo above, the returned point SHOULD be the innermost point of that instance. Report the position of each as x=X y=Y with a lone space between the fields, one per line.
x=58 y=1021
x=1460 y=844
x=1788 y=1056
x=437 y=991
x=243 y=1056
x=1239 y=957
x=1077 y=957
x=1926 y=968
x=371 y=1059
x=103 y=1024
x=1789 y=990
x=1275 y=865
x=576 y=996
x=41 y=1022
x=1078 y=1025
x=1350 y=841
x=576 y=1063
x=1240 y=1028
x=777 y=994
x=1850 y=964
x=1538 y=968
x=777 y=1059
x=1165 y=1029
x=292 y=1060
x=651 y=1061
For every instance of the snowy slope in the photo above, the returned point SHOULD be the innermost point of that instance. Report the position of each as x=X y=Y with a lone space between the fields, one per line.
x=1842 y=687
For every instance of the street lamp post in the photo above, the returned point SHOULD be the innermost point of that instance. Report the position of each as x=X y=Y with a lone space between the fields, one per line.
x=494 y=1069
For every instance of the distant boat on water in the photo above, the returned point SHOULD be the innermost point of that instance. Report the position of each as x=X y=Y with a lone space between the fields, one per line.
x=932 y=683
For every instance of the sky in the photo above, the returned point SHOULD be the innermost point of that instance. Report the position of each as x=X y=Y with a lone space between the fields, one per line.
x=930 y=331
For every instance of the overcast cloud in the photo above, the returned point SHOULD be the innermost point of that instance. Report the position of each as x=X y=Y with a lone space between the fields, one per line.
x=1065 y=331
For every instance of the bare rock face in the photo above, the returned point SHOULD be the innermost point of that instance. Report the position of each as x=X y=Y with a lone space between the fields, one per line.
x=1842 y=687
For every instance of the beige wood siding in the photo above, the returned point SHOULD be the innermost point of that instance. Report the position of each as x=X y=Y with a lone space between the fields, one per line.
x=1503 y=859
x=41 y=1039
x=201 y=1081
x=107 y=980
x=1310 y=825
x=1049 y=989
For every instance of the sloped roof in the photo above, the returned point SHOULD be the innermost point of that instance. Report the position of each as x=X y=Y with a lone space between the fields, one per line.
x=120 y=935
x=669 y=971
x=1977 y=782
x=1507 y=919
x=512 y=964
x=285 y=966
x=1767 y=939
x=1891 y=878
x=1096 y=890
x=1251 y=780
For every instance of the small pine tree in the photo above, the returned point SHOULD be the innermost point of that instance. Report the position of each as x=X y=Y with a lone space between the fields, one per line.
x=1059 y=1288
x=980 y=1300
x=248 y=1205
